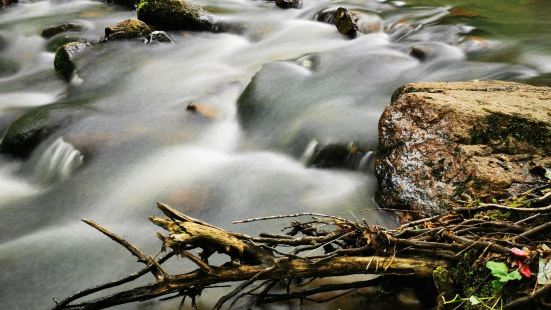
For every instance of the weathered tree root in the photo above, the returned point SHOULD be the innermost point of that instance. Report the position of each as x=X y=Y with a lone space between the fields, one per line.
x=414 y=250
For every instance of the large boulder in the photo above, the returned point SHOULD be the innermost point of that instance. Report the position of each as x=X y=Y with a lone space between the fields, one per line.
x=444 y=142
x=175 y=15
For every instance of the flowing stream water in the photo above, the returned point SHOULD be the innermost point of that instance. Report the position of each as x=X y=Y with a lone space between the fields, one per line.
x=134 y=142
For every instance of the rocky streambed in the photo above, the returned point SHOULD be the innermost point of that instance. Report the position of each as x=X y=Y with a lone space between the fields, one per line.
x=236 y=109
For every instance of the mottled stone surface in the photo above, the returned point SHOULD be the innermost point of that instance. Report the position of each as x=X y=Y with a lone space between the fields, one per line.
x=175 y=15
x=65 y=57
x=440 y=142
x=127 y=29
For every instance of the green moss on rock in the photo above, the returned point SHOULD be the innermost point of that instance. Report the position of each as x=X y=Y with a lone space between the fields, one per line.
x=501 y=128
x=127 y=29
x=65 y=56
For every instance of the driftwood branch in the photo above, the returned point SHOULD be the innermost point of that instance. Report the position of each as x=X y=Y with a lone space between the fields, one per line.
x=343 y=247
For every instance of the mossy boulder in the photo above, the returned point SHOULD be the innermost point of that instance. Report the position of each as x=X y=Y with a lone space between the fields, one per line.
x=175 y=15
x=127 y=30
x=60 y=28
x=441 y=142
x=65 y=57
x=28 y=131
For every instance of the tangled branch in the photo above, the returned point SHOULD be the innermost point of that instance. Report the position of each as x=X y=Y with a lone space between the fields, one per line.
x=413 y=250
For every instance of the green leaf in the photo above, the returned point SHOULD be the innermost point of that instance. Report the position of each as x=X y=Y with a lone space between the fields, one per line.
x=498 y=269
x=497 y=286
x=474 y=300
x=514 y=275
x=501 y=271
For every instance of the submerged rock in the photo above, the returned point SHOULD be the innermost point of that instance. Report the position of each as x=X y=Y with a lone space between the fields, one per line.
x=126 y=30
x=289 y=4
x=8 y=67
x=175 y=14
x=27 y=132
x=441 y=141
x=65 y=57
x=60 y=28
x=55 y=42
x=158 y=37
x=336 y=155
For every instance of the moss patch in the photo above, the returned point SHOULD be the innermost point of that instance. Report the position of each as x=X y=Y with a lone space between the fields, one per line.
x=501 y=128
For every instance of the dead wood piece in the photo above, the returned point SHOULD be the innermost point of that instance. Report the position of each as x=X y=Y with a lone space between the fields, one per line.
x=411 y=251
x=283 y=269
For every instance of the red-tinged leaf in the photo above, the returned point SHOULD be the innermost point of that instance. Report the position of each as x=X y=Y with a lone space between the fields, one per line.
x=518 y=252
x=525 y=271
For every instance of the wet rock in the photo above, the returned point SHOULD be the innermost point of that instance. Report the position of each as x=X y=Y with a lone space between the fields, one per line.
x=28 y=131
x=346 y=22
x=65 y=57
x=4 y=3
x=289 y=4
x=59 y=40
x=158 y=37
x=126 y=30
x=336 y=155
x=127 y=3
x=60 y=28
x=175 y=14
x=419 y=53
x=8 y=67
x=351 y=23
x=441 y=141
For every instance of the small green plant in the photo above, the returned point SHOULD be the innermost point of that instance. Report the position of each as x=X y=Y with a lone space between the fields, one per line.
x=483 y=302
x=501 y=273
